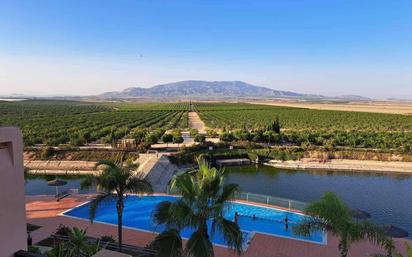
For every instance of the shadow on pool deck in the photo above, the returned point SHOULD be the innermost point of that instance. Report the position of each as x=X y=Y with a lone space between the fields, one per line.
x=44 y=211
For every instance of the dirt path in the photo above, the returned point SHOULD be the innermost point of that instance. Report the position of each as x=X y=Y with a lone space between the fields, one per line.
x=196 y=123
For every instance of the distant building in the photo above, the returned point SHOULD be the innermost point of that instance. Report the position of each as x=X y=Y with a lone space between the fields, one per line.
x=13 y=235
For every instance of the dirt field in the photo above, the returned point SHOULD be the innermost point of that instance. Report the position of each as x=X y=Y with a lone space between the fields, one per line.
x=372 y=106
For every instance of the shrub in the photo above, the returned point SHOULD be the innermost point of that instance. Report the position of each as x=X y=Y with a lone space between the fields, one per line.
x=33 y=249
x=167 y=138
x=107 y=239
x=177 y=139
x=194 y=132
x=63 y=230
x=46 y=152
x=226 y=137
x=77 y=140
x=211 y=133
x=200 y=138
x=151 y=138
x=138 y=134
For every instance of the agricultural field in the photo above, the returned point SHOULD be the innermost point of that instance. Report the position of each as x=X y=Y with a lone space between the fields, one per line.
x=77 y=123
x=302 y=126
x=394 y=107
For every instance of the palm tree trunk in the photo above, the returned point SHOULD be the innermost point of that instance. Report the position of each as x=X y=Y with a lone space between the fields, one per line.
x=120 y=221
x=203 y=228
x=343 y=248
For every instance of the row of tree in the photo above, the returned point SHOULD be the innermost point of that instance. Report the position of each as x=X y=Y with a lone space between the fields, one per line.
x=328 y=140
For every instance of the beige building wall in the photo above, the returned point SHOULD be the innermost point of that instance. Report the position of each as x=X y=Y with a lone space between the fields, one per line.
x=13 y=235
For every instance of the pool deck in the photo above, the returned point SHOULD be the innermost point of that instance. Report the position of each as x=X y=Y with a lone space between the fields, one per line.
x=45 y=212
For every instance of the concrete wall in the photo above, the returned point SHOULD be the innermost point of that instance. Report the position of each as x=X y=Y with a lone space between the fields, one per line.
x=13 y=233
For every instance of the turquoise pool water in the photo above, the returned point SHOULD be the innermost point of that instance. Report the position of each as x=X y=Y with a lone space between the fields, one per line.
x=138 y=215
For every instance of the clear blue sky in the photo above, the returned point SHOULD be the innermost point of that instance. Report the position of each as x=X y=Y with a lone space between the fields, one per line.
x=330 y=47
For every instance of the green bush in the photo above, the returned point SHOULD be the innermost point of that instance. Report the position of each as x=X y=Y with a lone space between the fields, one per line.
x=226 y=137
x=200 y=138
x=167 y=138
x=194 y=132
x=33 y=249
x=107 y=239
x=46 y=152
x=151 y=138
x=63 y=230
x=77 y=140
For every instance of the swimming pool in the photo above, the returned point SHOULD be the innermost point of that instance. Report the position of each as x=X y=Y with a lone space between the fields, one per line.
x=138 y=215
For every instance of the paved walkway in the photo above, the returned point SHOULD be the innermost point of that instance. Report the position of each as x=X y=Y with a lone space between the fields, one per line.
x=44 y=211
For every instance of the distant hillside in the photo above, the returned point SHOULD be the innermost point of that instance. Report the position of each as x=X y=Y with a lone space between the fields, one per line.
x=207 y=89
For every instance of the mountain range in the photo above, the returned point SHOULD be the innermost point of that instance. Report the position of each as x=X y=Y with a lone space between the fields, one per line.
x=214 y=90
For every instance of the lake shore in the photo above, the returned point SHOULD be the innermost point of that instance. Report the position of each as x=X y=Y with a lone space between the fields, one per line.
x=345 y=165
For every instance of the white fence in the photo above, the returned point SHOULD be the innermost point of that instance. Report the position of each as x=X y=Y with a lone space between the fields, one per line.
x=271 y=200
x=266 y=199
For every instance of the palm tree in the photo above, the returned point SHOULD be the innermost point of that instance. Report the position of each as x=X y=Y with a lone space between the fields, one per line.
x=408 y=252
x=204 y=198
x=332 y=215
x=116 y=180
x=77 y=245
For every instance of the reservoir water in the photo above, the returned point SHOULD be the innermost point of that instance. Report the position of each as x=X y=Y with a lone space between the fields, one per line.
x=37 y=185
x=387 y=197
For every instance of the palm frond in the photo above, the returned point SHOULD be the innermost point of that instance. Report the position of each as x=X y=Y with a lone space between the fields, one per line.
x=161 y=212
x=175 y=214
x=184 y=184
x=373 y=233
x=228 y=192
x=94 y=204
x=199 y=245
x=108 y=163
x=87 y=182
x=138 y=186
x=131 y=166
x=168 y=244
x=309 y=226
x=366 y=230
x=211 y=186
x=230 y=231
x=330 y=209
x=182 y=215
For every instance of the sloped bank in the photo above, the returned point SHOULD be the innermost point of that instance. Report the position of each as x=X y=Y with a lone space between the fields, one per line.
x=344 y=165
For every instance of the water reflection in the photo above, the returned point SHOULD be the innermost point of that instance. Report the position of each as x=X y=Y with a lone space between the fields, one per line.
x=37 y=184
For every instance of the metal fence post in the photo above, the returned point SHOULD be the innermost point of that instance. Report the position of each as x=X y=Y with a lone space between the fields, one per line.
x=290 y=205
x=247 y=197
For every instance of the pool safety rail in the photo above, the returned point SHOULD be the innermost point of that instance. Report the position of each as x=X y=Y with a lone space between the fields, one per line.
x=271 y=200
x=265 y=199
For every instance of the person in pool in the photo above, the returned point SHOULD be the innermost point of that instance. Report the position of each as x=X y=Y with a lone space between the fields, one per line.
x=236 y=217
x=254 y=217
x=286 y=222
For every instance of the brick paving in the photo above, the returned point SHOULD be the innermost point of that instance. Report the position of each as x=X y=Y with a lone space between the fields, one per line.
x=44 y=211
